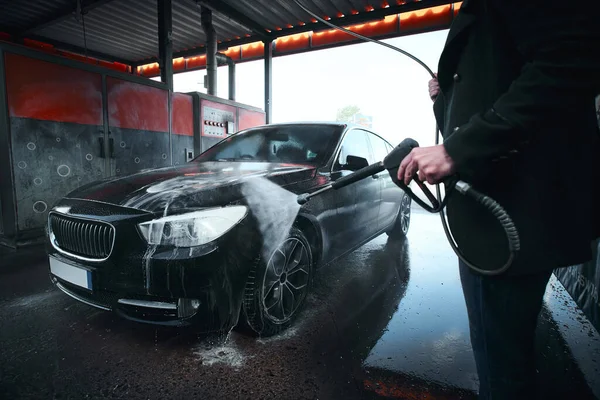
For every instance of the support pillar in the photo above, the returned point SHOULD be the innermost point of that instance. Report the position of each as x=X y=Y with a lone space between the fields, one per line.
x=224 y=59
x=268 y=80
x=165 y=42
x=211 y=50
x=8 y=216
x=165 y=55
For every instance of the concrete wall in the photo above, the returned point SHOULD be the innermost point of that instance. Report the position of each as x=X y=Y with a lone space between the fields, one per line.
x=69 y=126
x=55 y=115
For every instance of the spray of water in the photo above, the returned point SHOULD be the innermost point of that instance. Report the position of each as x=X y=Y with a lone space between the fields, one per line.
x=275 y=209
x=164 y=194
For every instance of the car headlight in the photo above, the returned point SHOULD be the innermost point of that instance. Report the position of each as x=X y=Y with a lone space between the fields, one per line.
x=192 y=229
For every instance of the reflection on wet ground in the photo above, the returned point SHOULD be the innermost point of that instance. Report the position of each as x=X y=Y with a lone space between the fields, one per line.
x=387 y=321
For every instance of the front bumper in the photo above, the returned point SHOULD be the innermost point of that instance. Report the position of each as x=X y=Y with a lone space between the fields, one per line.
x=150 y=309
x=200 y=286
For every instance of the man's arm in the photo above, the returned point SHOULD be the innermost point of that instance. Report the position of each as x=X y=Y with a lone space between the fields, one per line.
x=562 y=44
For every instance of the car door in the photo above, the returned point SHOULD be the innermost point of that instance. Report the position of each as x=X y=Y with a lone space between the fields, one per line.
x=364 y=196
x=390 y=193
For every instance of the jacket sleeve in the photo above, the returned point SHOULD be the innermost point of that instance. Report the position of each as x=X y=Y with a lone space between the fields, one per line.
x=561 y=45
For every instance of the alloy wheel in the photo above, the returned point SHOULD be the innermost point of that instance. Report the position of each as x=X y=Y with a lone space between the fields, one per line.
x=285 y=281
x=405 y=213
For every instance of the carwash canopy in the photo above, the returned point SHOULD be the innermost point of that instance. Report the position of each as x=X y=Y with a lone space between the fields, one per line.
x=162 y=37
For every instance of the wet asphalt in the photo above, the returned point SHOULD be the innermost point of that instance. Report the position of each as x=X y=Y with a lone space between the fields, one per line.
x=386 y=321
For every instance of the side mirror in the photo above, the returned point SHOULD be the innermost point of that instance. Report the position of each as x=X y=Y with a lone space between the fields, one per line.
x=354 y=163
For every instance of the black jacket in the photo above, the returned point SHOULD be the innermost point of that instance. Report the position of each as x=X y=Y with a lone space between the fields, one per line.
x=518 y=80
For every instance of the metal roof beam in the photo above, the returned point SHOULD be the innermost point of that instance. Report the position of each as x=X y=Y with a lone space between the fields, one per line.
x=61 y=15
x=80 y=50
x=220 y=7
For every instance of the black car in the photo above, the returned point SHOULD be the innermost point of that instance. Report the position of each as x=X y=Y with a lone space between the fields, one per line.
x=221 y=242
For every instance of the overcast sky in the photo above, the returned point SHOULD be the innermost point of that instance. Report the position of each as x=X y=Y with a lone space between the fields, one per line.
x=313 y=86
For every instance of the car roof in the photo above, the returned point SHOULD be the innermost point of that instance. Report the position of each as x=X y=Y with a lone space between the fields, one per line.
x=329 y=123
x=345 y=125
x=319 y=123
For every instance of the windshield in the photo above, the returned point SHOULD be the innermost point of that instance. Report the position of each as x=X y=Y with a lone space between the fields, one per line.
x=296 y=144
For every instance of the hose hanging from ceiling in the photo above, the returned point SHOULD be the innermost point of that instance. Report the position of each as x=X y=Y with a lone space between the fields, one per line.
x=368 y=39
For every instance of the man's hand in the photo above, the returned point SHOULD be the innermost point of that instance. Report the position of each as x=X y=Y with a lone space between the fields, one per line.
x=434 y=88
x=433 y=164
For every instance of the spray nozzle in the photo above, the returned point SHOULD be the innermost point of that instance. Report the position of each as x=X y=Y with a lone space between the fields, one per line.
x=303 y=198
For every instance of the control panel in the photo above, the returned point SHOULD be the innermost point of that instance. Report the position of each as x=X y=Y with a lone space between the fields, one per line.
x=217 y=122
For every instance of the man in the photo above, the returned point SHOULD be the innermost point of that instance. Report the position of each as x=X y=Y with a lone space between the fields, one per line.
x=515 y=105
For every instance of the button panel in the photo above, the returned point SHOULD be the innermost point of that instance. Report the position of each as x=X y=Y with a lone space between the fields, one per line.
x=217 y=122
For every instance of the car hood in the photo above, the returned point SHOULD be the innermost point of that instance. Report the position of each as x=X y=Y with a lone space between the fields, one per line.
x=206 y=184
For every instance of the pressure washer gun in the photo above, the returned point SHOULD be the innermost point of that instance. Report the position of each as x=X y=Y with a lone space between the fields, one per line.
x=392 y=162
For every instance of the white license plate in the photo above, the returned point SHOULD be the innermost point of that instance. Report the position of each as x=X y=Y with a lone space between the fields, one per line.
x=70 y=273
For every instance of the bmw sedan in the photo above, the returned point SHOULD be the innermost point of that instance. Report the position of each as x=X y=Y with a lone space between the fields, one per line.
x=220 y=242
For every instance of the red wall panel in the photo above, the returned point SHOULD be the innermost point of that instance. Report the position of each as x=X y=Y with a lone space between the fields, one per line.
x=47 y=91
x=250 y=119
x=136 y=106
x=183 y=114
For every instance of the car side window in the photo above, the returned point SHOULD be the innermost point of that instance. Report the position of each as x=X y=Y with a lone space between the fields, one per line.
x=380 y=150
x=356 y=144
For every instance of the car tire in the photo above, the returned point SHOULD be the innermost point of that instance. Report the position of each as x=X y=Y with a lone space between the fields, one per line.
x=402 y=223
x=276 y=288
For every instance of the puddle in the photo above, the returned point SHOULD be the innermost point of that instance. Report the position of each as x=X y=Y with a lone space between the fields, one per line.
x=224 y=351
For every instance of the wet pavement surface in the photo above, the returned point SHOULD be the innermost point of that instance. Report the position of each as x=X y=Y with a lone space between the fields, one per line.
x=386 y=321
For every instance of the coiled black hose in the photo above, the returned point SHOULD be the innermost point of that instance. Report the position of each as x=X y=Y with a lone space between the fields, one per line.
x=464 y=188
x=512 y=234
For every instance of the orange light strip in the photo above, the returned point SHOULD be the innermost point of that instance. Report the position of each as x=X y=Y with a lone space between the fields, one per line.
x=396 y=24
x=179 y=64
x=291 y=43
x=426 y=18
x=388 y=26
x=456 y=7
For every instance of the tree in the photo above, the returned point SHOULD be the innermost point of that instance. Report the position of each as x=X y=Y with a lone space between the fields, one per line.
x=345 y=114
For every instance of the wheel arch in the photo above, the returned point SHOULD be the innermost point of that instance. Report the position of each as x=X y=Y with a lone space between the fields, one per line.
x=309 y=225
